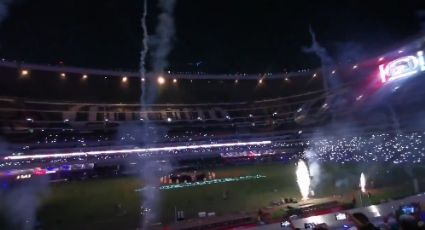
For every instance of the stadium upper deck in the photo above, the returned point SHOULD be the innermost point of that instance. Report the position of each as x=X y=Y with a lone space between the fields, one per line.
x=60 y=83
x=51 y=99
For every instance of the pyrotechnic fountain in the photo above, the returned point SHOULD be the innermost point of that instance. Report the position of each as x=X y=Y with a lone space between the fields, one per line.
x=303 y=179
x=362 y=183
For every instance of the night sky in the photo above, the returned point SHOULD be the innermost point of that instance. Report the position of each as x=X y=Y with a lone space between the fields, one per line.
x=228 y=36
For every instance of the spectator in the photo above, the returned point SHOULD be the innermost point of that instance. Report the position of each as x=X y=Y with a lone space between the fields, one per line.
x=408 y=222
x=361 y=221
x=321 y=227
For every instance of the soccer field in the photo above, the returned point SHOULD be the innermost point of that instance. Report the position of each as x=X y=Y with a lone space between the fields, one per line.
x=94 y=204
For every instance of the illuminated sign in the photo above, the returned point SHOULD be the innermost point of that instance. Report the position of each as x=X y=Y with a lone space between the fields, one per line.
x=24 y=176
x=402 y=67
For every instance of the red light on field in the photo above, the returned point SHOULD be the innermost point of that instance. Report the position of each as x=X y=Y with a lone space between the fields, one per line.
x=40 y=172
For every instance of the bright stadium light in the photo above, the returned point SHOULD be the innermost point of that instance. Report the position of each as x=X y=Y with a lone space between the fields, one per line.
x=161 y=80
x=260 y=81
x=134 y=151
x=143 y=79
x=24 y=72
x=85 y=76
x=63 y=74
x=236 y=81
x=174 y=80
x=124 y=79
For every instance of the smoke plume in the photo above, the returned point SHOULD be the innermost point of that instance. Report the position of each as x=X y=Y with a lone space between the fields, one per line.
x=161 y=45
x=314 y=168
x=327 y=62
x=151 y=172
x=162 y=42
x=145 y=49
x=20 y=203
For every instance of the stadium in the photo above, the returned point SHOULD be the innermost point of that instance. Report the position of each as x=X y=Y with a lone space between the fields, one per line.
x=89 y=148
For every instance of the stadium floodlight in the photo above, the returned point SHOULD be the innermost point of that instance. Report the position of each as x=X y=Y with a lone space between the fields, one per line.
x=85 y=76
x=161 y=80
x=24 y=72
x=124 y=79
x=402 y=67
x=134 y=151
x=174 y=80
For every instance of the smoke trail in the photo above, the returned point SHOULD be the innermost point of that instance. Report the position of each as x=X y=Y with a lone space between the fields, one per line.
x=161 y=44
x=326 y=60
x=164 y=35
x=145 y=49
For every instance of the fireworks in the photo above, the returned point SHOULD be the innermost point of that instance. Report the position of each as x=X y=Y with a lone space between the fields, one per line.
x=303 y=179
x=363 y=183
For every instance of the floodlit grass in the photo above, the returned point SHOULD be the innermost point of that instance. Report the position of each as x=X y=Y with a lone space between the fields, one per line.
x=93 y=204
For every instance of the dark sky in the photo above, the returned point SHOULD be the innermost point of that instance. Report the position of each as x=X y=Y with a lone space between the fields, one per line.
x=226 y=35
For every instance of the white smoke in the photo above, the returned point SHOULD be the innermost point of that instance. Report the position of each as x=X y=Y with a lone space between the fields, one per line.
x=314 y=168
x=162 y=42
x=145 y=49
x=161 y=45
x=327 y=62
x=20 y=204
x=341 y=183
x=151 y=172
